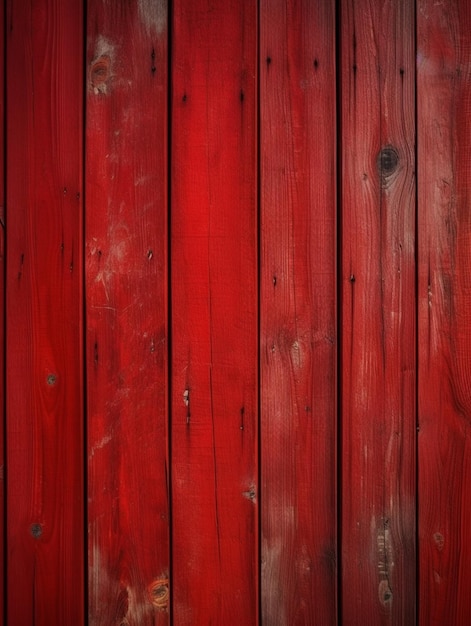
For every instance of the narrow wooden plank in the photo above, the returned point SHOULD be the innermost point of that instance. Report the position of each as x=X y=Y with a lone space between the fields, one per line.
x=126 y=304
x=214 y=313
x=378 y=312
x=45 y=531
x=298 y=316
x=444 y=142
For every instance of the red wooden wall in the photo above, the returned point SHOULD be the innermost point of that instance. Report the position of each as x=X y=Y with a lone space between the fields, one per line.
x=235 y=313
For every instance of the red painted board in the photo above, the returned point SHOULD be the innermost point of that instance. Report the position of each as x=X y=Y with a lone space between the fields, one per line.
x=378 y=370
x=214 y=313
x=298 y=312
x=126 y=312
x=444 y=132
x=44 y=364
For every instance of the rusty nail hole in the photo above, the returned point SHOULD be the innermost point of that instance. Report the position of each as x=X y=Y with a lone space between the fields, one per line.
x=51 y=379
x=159 y=593
x=36 y=530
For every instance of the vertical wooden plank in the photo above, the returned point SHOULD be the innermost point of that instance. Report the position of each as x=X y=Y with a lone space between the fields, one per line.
x=444 y=142
x=126 y=287
x=214 y=313
x=298 y=318
x=44 y=313
x=378 y=312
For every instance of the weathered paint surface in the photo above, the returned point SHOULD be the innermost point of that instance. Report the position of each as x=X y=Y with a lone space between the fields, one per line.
x=267 y=223
x=377 y=365
x=444 y=171
x=126 y=307
x=298 y=313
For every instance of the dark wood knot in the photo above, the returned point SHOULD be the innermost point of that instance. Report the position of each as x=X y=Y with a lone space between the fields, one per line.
x=388 y=160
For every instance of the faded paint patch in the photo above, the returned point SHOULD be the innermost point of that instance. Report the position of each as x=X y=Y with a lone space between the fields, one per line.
x=153 y=14
x=101 y=444
x=273 y=573
x=101 y=67
x=113 y=259
x=385 y=564
x=139 y=610
x=133 y=604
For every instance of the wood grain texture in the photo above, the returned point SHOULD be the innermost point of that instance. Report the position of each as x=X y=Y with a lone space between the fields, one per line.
x=378 y=312
x=444 y=108
x=298 y=314
x=214 y=313
x=126 y=304
x=45 y=582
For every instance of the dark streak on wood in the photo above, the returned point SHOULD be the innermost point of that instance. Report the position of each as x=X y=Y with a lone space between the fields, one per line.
x=153 y=68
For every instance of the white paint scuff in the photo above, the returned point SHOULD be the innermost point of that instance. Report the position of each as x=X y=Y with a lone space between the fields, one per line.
x=153 y=13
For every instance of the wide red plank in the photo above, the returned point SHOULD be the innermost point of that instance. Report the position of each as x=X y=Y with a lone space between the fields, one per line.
x=444 y=144
x=298 y=315
x=378 y=312
x=44 y=382
x=126 y=308
x=214 y=313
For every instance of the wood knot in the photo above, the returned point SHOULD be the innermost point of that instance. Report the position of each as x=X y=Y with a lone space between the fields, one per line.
x=100 y=73
x=439 y=540
x=159 y=593
x=51 y=379
x=385 y=594
x=36 y=530
x=388 y=160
